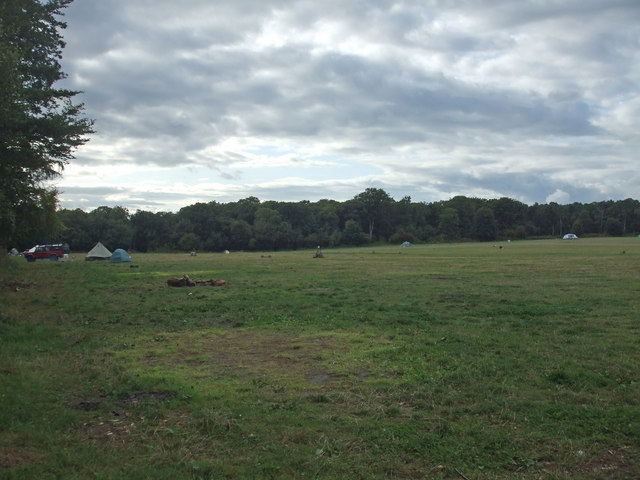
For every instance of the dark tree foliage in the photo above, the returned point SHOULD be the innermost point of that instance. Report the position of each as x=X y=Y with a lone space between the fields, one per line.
x=614 y=227
x=253 y=225
x=40 y=126
x=353 y=234
x=152 y=231
x=373 y=206
x=509 y=214
x=484 y=224
x=449 y=225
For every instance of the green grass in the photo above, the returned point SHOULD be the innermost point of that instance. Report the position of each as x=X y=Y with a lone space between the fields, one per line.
x=434 y=361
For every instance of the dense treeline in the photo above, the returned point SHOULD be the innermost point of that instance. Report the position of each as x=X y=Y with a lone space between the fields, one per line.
x=371 y=216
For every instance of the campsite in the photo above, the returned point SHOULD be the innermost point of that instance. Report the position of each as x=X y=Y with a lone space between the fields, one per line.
x=100 y=252
x=441 y=361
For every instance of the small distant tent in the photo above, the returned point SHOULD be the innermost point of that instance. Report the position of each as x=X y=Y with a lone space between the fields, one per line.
x=570 y=236
x=406 y=244
x=119 y=256
x=99 y=252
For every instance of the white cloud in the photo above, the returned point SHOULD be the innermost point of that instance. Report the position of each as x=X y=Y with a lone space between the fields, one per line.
x=558 y=197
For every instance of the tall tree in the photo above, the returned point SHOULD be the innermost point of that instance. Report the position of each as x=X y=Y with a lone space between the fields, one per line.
x=484 y=224
x=239 y=235
x=75 y=229
x=40 y=126
x=152 y=230
x=449 y=225
x=374 y=204
x=508 y=213
x=111 y=226
x=465 y=208
x=270 y=230
x=328 y=220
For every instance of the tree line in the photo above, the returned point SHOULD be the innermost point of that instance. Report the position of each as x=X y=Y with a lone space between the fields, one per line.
x=370 y=217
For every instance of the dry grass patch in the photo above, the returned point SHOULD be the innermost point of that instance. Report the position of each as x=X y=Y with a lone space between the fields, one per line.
x=17 y=456
x=610 y=463
x=316 y=359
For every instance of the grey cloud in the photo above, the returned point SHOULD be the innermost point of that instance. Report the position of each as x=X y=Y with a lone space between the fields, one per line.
x=526 y=187
x=511 y=14
x=171 y=83
x=346 y=90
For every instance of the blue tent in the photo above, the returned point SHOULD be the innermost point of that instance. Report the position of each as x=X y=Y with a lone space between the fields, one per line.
x=406 y=244
x=119 y=255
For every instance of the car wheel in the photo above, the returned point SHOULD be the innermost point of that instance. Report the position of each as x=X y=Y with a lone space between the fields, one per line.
x=31 y=259
x=53 y=258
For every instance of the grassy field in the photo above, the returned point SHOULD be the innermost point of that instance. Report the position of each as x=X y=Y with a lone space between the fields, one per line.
x=510 y=361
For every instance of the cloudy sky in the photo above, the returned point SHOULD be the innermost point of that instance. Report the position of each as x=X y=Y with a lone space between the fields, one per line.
x=201 y=100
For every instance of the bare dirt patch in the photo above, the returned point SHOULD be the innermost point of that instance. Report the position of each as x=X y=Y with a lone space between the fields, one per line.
x=321 y=291
x=322 y=378
x=611 y=464
x=11 y=457
x=120 y=426
x=87 y=405
x=136 y=398
x=254 y=352
x=96 y=403
x=16 y=285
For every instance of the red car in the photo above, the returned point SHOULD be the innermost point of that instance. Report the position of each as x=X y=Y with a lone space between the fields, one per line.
x=52 y=252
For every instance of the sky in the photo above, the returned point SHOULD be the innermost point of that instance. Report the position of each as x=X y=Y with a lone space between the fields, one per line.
x=290 y=100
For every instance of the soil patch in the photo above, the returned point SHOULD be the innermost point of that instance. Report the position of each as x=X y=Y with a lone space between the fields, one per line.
x=11 y=457
x=92 y=404
x=136 y=398
x=87 y=405
x=253 y=352
x=611 y=464
x=322 y=378
x=16 y=285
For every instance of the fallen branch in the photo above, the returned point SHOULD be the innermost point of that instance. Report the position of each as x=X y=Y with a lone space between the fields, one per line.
x=461 y=474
